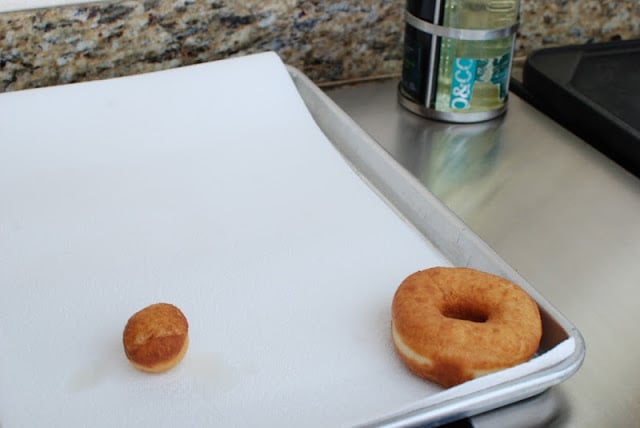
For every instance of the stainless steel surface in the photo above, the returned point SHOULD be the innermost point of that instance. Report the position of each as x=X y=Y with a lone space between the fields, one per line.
x=461 y=247
x=563 y=215
x=540 y=411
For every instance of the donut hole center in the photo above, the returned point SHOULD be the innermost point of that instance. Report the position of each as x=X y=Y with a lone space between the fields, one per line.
x=465 y=313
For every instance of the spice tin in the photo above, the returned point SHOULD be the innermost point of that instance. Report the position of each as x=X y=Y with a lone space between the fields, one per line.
x=457 y=58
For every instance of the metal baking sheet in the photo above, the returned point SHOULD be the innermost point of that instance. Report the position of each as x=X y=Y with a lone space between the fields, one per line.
x=461 y=246
x=172 y=186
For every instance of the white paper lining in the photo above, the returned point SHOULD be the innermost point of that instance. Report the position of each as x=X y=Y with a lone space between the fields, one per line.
x=212 y=188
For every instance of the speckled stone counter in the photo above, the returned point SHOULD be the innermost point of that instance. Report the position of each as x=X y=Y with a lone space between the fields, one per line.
x=330 y=41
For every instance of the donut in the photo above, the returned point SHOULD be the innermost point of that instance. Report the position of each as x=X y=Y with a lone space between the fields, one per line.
x=156 y=338
x=451 y=325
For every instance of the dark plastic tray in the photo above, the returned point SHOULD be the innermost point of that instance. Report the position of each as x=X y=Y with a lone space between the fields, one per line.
x=594 y=91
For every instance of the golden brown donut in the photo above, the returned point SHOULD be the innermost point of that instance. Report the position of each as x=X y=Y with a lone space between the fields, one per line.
x=451 y=325
x=156 y=338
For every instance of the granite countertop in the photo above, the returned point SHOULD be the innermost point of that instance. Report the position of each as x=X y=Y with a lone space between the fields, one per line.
x=329 y=41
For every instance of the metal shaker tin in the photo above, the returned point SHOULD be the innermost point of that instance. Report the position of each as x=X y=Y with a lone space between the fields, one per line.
x=448 y=71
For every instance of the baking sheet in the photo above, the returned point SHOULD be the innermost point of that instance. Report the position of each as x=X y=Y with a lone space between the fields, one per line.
x=562 y=348
x=211 y=187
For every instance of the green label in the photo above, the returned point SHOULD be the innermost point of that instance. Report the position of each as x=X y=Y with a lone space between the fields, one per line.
x=462 y=81
x=469 y=71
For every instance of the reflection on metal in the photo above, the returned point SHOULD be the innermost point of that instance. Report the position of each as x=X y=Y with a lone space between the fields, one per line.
x=454 y=160
x=460 y=154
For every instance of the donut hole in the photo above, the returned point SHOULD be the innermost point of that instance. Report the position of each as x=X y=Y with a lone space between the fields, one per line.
x=465 y=313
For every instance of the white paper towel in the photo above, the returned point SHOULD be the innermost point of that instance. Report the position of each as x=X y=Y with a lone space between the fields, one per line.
x=209 y=187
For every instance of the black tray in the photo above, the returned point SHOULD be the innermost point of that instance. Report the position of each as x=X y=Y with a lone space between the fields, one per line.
x=594 y=91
